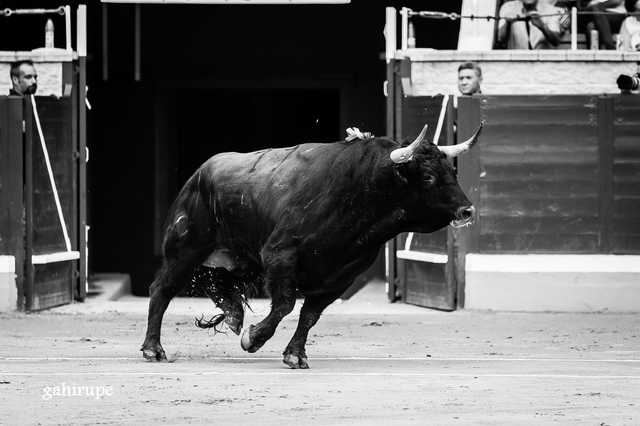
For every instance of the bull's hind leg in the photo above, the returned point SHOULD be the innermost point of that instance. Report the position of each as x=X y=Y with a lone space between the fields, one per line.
x=295 y=355
x=280 y=281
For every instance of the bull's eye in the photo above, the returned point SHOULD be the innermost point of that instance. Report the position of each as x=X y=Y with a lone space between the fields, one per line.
x=429 y=179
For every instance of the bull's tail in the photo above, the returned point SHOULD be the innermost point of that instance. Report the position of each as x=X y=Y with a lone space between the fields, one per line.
x=212 y=322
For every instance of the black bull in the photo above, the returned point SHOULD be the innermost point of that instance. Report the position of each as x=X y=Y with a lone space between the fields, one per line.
x=308 y=218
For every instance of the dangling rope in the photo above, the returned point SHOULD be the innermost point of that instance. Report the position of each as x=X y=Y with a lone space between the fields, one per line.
x=43 y=144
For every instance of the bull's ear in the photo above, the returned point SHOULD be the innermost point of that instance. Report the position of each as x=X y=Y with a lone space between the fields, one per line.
x=453 y=151
x=402 y=155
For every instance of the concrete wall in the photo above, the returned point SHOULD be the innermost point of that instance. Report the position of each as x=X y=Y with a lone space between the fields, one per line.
x=8 y=290
x=567 y=283
x=508 y=72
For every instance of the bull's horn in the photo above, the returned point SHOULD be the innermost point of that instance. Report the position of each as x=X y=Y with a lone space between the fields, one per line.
x=453 y=151
x=402 y=155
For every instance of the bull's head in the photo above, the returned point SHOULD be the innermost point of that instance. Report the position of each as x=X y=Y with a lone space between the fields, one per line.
x=435 y=198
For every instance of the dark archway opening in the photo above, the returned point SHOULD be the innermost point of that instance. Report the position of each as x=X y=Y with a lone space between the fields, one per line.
x=223 y=120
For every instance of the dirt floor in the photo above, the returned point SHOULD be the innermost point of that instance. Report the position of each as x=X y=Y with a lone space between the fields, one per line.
x=371 y=363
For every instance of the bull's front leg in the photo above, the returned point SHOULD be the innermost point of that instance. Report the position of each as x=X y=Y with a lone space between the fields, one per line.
x=295 y=355
x=280 y=280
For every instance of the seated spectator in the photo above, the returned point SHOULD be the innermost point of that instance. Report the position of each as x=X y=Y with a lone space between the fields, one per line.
x=607 y=17
x=531 y=24
x=630 y=31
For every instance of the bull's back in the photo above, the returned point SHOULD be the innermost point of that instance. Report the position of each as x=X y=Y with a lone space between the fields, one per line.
x=279 y=173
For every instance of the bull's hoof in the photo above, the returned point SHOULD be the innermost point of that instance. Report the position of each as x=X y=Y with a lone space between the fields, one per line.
x=247 y=342
x=154 y=353
x=234 y=323
x=295 y=362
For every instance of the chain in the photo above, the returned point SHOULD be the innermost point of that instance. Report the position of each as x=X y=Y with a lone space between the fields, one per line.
x=9 y=12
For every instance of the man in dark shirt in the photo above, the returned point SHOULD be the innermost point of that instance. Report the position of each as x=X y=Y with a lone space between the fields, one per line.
x=469 y=79
x=24 y=78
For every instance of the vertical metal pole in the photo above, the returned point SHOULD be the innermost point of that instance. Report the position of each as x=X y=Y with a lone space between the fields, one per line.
x=390 y=53
x=606 y=140
x=574 y=28
x=27 y=126
x=404 y=36
x=105 y=41
x=390 y=31
x=137 y=44
x=82 y=148
x=67 y=27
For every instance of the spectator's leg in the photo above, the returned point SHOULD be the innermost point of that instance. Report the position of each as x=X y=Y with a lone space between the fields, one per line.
x=590 y=27
x=603 y=26
x=616 y=22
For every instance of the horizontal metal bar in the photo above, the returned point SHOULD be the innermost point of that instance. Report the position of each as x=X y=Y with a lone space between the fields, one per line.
x=422 y=256
x=245 y=2
x=584 y=263
x=9 y=12
x=61 y=256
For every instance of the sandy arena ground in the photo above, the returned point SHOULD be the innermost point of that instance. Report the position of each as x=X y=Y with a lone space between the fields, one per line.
x=371 y=363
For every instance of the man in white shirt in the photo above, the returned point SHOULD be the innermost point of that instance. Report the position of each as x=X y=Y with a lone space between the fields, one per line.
x=630 y=30
x=531 y=24
x=608 y=16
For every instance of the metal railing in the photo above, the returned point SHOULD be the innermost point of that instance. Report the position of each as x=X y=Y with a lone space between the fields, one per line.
x=61 y=10
x=407 y=39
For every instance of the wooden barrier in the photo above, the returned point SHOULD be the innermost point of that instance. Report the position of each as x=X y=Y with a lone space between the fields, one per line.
x=551 y=175
x=46 y=272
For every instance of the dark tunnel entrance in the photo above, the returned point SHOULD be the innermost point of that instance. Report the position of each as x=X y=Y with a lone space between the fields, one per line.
x=242 y=120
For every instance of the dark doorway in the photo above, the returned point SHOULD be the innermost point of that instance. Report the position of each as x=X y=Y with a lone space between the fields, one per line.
x=243 y=120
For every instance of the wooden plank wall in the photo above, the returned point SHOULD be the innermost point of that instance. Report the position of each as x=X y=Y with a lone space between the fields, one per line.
x=11 y=233
x=554 y=174
x=625 y=220
x=539 y=179
x=12 y=225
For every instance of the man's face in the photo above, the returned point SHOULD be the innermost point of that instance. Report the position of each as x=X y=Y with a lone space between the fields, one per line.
x=468 y=82
x=26 y=82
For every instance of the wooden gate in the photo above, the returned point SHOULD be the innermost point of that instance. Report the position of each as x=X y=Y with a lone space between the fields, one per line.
x=47 y=270
x=53 y=272
x=426 y=277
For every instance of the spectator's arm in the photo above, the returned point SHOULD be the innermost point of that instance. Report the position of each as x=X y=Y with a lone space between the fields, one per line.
x=552 y=36
x=605 y=4
x=502 y=30
x=503 y=26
